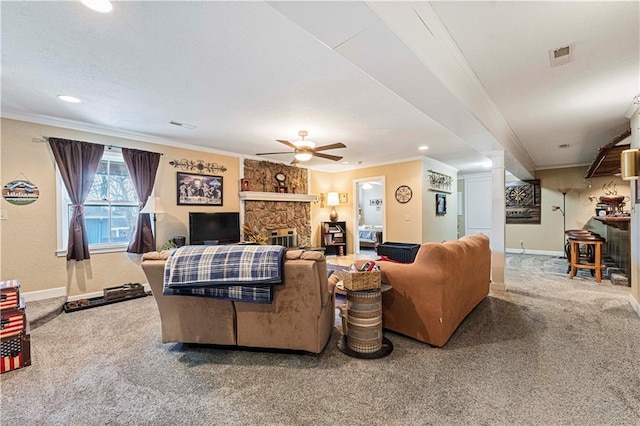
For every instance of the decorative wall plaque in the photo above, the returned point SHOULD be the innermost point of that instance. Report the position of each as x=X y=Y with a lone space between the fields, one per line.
x=438 y=182
x=20 y=192
x=198 y=166
x=523 y=202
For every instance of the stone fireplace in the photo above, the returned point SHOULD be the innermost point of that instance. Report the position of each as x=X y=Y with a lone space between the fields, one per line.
x=283 y=217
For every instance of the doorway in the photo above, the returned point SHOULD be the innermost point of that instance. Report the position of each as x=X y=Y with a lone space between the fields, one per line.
x=369 y=214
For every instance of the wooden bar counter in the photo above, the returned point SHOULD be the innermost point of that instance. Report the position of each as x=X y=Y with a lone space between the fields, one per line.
x=618 y=245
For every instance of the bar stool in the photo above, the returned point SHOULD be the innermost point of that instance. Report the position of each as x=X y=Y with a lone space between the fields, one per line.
x=567 y=245
x=593 y=242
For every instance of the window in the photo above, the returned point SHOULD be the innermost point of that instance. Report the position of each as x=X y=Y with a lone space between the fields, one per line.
x=110 y=210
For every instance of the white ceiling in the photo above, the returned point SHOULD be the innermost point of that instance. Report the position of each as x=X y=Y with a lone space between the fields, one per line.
x=384 y=78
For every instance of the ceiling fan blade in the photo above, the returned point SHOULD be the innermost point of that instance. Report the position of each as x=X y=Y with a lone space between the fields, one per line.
x=332 y=146
x=287 y=143
x=270 y=153
x=327 y=156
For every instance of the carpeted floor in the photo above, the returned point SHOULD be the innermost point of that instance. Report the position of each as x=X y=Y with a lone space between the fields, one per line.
x=548 y=351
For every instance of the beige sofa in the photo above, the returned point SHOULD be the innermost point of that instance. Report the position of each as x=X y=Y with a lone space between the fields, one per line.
x=431 y=296
x=301 y=316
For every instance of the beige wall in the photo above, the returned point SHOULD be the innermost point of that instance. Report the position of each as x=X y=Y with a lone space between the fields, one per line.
x=404 y=222
x=29 y=236
x=548 y=235
x=439 y=228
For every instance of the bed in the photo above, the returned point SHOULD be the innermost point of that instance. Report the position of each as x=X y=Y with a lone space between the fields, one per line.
x=369 y=236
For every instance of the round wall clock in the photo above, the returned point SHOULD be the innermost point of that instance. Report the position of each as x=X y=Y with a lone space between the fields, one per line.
x=280 y=177
x=403 y=194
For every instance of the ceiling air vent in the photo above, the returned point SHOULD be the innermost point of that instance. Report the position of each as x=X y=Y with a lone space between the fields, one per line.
x=186 y=126
x=562 y=55
x=563 y=146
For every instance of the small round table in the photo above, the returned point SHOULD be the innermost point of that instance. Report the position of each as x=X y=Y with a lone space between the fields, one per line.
x=343 y=343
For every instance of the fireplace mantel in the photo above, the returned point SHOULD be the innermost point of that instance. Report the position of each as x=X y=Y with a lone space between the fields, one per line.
x=276 y=196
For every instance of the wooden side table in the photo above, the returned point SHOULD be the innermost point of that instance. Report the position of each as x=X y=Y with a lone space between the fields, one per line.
x=364 y=337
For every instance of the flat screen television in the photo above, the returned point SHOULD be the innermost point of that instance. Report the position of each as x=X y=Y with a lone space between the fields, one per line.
x=214 y=228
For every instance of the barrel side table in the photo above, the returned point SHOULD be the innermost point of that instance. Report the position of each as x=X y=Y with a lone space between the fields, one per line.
x=364 y=337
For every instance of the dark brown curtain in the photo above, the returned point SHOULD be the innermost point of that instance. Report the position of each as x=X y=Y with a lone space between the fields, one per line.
x=142 y=167
x=77 y=162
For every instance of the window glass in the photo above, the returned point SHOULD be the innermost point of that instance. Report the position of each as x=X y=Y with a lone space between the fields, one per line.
x=111 y=208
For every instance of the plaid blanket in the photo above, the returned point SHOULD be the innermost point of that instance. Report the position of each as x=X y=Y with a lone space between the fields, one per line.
x=230 y=272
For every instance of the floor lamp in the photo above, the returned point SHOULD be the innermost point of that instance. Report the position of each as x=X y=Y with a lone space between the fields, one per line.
x=563 y=210
x=153 y=207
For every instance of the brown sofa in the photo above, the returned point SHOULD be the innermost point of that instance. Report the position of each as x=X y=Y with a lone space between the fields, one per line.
x=431 y=296
x=301 y=316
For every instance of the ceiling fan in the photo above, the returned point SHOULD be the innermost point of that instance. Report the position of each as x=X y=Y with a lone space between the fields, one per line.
x=303 y=150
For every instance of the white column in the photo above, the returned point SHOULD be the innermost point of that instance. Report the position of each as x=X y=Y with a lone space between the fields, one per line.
x=498 y=221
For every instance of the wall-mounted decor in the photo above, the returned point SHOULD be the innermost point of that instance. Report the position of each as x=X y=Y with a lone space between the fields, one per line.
x=375 y=202
x=198 y=166
x=523 y=202
x=244 y=185
x=344 y=198
x=199 y=190
x=20 y=192
x=438 y=182
x=403 y=194
x=441 y=204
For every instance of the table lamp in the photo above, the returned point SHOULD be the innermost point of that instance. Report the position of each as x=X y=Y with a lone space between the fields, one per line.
x=333 y=200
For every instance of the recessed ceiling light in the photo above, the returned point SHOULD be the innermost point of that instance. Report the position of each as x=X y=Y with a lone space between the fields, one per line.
x=345 y=162
x=186 y=126
x=102 y=6
x=423 y=148
x=68 y=98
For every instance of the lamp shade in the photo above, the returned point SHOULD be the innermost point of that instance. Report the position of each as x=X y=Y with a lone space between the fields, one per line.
x=154 y=205
x=333 y=199
x=630 y=164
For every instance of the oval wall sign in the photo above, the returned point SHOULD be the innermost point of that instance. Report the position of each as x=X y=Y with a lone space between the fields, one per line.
x=20 y=192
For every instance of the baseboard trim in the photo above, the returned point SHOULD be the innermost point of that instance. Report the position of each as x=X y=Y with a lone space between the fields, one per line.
x=32 y=296
x=634 y=304
x=540 y=252
x=498 y=286
x=50 y=293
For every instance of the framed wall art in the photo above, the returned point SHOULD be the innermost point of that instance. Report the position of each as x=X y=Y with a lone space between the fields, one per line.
x=199 y=190
x=441 y=204
x=523 y=202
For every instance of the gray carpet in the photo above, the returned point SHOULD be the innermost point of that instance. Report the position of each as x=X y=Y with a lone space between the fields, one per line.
x=40 y=312
x=549 y=351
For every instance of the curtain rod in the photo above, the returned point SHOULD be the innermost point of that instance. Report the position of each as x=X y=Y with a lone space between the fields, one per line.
x=46 y=139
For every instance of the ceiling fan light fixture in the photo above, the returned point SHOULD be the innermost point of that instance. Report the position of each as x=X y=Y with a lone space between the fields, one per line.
x=304 y=144
x=303 y=156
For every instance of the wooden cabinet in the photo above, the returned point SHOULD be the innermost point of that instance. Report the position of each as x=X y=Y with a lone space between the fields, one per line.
x=334 y=237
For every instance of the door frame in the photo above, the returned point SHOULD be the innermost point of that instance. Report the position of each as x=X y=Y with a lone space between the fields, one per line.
x=356 y=202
